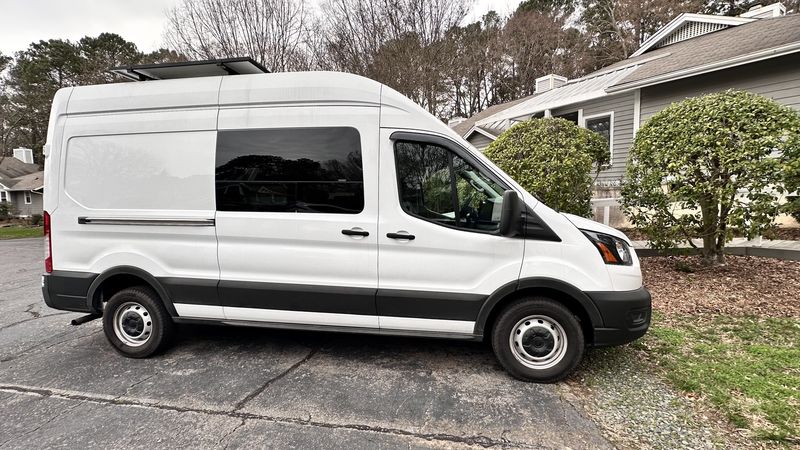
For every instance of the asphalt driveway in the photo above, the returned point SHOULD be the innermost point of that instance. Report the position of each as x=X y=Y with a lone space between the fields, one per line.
x=221 y=386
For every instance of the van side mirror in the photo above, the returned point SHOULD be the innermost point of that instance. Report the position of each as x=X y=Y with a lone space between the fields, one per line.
x=510 y=214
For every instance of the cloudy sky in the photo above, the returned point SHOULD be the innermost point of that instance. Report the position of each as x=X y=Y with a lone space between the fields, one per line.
x=140 y=21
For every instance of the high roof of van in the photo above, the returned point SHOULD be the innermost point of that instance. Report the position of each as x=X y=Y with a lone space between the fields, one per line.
x=258 y=90
x=289 y=88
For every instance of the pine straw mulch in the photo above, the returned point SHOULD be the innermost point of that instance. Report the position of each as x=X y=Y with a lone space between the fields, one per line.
x=743 y=286
x=782 y=233
x=786 y=234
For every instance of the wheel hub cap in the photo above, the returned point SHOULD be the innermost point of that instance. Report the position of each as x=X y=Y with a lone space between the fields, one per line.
x=133 y=324
x=538 y=342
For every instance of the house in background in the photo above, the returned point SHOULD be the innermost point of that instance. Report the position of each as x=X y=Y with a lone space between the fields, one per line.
x=21 y=183
x=694 y=54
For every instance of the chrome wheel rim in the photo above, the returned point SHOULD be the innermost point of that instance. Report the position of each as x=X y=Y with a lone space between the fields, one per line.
x=538 y=342
x=133 y=324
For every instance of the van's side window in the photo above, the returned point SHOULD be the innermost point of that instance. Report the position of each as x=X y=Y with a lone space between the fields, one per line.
x=304 y=170
x=437 y=185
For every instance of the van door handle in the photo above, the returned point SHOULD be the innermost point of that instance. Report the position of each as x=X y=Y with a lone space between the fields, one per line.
x=355 y=232
x=406 y=236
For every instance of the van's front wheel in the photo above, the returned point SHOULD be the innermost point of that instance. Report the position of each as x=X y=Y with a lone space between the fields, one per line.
x=136 y=323
x=538 y=339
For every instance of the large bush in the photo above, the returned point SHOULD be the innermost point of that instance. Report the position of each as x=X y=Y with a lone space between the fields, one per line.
x=793 y=207
x=5 y=210
x=553 y=160
x=709 y=167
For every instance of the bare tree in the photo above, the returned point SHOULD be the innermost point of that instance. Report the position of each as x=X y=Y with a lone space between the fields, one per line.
x=270 y=31
x=8 y=119
x=616 y=28
x=402 y=43
x=539 y=43
x=476 y=75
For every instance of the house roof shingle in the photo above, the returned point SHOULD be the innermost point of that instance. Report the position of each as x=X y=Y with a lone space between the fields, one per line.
x=718 y=46
x=761 y=35
x=11 y=167
x=18 y=176
x=28 y=182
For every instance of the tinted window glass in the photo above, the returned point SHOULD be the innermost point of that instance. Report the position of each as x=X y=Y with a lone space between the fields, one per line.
x=437 y=185
x=601 y=126
x=310 y=170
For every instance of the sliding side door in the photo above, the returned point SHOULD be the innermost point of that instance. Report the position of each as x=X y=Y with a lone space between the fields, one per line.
x=297 y=205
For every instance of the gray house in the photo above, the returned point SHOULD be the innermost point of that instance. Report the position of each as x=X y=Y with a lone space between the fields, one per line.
x=21 y=183
x=692 y=55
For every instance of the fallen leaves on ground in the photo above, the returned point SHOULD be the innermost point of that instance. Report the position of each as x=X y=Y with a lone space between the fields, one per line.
x=743 y=286
x=783 y=233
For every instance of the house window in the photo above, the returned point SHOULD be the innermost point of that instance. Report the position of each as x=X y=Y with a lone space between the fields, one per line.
x=572 y=117
x=28 y=199
x=603 y=124
x=4 y=197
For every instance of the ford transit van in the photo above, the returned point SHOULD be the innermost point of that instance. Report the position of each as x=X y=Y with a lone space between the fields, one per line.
x=316 y=201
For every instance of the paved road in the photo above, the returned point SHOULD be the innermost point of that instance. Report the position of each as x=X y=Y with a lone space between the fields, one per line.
x=216 y=387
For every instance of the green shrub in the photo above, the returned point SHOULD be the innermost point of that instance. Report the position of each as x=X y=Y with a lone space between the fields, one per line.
x=36 y=219
x=553 y=160
x=793 y=207
x=709 y=167
x=5 y=210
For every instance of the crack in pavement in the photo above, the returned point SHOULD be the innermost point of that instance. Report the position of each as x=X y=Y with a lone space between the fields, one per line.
x=40 y=345
x=12 y=324
x=264 y=387
x=483 y=441
x=230 y=433
x=129 y=388
x=40 y=426
x=29 y=310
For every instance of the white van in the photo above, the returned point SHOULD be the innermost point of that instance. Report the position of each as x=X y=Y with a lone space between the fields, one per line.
x=318 y=201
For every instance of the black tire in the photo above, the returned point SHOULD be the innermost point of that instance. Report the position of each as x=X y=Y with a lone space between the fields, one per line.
x=538 y=339
x=155 y=332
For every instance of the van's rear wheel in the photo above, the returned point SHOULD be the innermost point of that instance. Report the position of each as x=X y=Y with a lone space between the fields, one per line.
x=136 y=323
x=538 y=339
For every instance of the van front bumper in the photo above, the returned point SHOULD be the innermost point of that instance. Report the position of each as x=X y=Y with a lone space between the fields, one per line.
x=67 y=290
x=625 y=314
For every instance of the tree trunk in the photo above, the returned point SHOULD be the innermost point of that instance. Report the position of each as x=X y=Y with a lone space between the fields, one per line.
x=710 y=214
x=720 y=249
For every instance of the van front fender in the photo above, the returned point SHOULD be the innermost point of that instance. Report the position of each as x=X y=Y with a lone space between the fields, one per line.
x=496 y=299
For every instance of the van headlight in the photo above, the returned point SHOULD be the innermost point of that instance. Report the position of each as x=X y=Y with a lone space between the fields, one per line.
x=612 y=249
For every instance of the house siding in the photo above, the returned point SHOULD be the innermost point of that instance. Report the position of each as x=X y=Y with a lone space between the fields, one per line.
x=479 y=141
x=21 y=209
x=622 y=137
x=778 y=79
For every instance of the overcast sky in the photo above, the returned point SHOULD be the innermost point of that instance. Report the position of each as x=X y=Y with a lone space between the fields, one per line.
x=140 y=21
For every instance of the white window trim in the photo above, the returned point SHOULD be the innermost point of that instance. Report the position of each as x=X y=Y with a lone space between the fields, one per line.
x=610 y=115
x=5 y=196
x=637 y=110
x=27 y=197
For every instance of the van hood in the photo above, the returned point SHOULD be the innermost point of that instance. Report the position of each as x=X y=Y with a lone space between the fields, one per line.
x=590 y=225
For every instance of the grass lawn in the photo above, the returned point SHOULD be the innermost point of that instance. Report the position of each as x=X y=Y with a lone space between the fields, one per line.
x=747 y=367
x=16 y=232
x=730 y=335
